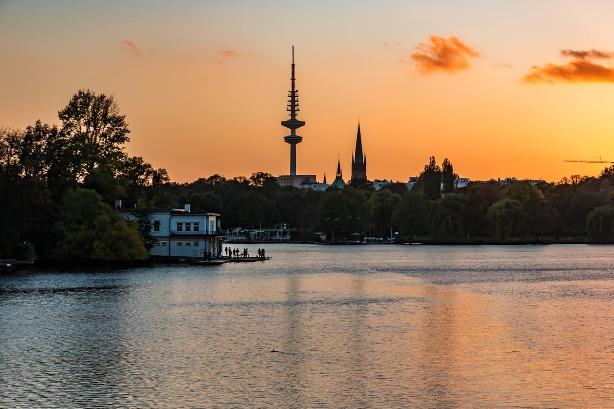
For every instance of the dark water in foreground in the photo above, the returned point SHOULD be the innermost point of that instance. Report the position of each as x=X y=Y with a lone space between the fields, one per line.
x=371 y=326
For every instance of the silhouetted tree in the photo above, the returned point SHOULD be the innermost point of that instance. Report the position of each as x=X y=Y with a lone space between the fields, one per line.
x=448 y=177
x=431 y=180
x=600 y=225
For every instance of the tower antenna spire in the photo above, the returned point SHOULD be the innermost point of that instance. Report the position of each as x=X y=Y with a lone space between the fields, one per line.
x=293 y=123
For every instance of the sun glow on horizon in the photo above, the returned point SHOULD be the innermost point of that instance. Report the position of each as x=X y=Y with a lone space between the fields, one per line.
x=204 y=85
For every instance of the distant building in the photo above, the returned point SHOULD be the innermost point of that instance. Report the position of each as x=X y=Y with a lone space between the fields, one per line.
x=321 y=187
x=296 y=180
x=281 y=233
x=458 y=182
x=359 y=161
x=461 y=182
x=293 y=123
x=338 y=183
x=512 y=180
x=179 y=233
x=411 y=182
x=380 y=184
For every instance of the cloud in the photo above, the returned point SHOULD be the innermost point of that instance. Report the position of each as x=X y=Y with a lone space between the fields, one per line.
x=228 y=53
x=443 y=54
x=131 y=47
x=587 y=54
x=581 y=68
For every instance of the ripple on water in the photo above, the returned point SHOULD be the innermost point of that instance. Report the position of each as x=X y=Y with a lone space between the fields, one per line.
x=375 y=326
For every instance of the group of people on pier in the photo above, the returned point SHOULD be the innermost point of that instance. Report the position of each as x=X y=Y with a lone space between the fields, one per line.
x=236 y=253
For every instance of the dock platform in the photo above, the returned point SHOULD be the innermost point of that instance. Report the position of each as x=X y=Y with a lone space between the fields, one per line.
x=224 y=260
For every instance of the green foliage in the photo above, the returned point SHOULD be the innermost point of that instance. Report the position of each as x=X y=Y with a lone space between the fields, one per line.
x=380 y=207
x=409 y=216
x=600 y=225
x=431 y=180
x=503 y=216
x=445 y=217
x=448 y=177
x=90 y=230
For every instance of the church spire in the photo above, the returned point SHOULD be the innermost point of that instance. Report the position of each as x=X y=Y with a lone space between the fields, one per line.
x=339 y=174
x=359 y=160
x=358 y=155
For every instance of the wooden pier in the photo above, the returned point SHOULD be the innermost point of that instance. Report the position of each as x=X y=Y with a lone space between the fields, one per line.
x=7 y=265
x=224 y=260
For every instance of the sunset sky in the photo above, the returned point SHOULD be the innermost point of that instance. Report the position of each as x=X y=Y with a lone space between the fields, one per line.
x=501 y=88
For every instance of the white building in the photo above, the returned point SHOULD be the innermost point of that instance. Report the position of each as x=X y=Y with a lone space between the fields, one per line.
x=459 y=182
x=411 y=182
x=380 y=184
x=281 y=233
x=320 y=187
x=179 y=233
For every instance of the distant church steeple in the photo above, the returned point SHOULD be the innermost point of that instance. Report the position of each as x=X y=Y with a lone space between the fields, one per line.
x=359 y=161
x=338 y=183
x=324 y=181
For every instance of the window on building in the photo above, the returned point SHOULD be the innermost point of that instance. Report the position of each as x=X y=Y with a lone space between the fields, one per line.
x=179 y=243
x=196 y=226
x=196 y=244
x=188 y=226
x=212 y=226
x=187 y=243
x=179 y=226
x=156 y=225
x=163 y=243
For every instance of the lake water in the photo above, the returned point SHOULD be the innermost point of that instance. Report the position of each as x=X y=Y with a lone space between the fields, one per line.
x=355 y=326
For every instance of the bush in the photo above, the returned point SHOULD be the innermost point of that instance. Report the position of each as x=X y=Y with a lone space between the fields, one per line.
x=90 y=230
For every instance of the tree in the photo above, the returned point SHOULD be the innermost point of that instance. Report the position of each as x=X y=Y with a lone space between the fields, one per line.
x=503 y=216
x=409 y=216
x=96 y=130
x=448 y=177
x=445 y=217
x=336 y=216
x=259 y=179
x=90 y=230
x=206 y=202
x=600 y=225
x=479 y=197
x=431 y=180
x=380 y=207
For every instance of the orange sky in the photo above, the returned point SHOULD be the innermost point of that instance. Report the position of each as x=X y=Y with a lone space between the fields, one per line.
x=203 y=84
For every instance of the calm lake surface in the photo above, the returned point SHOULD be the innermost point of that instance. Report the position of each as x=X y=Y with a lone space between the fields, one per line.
x=356 y=326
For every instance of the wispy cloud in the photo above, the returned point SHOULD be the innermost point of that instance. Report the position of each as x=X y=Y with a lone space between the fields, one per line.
x=131 y=47
x=581 y=68
x=228 y=53
x=443 y=55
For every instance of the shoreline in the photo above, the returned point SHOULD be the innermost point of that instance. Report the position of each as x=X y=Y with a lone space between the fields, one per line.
x=106 y=266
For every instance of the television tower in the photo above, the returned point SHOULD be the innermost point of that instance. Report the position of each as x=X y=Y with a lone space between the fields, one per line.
x=293 y=123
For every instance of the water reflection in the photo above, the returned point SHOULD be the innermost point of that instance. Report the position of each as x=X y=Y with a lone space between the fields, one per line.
x=437 y=328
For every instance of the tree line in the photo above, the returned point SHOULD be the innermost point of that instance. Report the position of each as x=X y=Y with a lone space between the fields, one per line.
x=58 y=184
